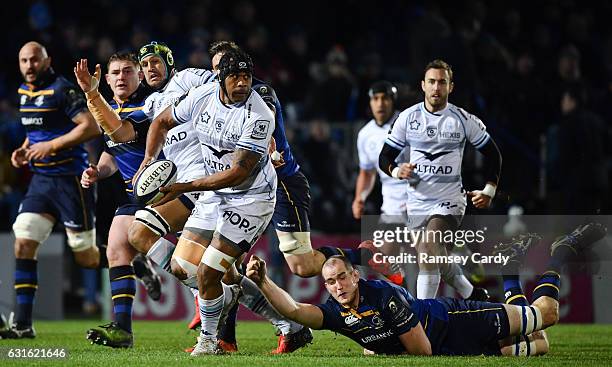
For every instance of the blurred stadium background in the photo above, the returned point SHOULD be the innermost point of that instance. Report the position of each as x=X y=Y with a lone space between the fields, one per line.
x=514 y=62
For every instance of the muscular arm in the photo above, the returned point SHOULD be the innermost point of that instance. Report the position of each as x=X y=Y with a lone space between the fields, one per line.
x=107 y=166
x=156 y=136
x=303 y=313
x=86 y=129
x=240 y=169
x=415 y=341
x=306 y=314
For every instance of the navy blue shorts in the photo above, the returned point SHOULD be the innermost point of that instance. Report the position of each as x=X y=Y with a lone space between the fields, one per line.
x=128 y=209
x=292 y=204
x=63 y=198
x=474 y=327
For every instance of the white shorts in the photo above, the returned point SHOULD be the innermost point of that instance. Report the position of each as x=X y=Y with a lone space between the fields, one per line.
x=239 y=219
x=419 y=212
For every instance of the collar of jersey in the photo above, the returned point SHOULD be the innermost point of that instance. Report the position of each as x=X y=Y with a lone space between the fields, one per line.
x=229 y=106
x=438 y=113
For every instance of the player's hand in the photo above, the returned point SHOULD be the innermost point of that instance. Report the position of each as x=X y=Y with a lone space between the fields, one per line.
x=256 y=270
x=405 y=170
x=171 y=192
x=89 y=176
x=277 y=159
x=39 y=150
x=86 y=81
x=480 y=200
x=358 y=208
x=18 y=158
x=146 y=160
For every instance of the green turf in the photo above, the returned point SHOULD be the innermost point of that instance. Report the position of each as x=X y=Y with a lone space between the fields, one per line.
x=161 y=343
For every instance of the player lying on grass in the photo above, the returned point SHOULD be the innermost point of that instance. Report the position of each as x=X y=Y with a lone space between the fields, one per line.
x=385 y=318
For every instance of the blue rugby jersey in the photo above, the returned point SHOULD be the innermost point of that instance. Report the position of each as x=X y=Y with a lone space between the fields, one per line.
x=385 y=311
x=282 y=145
x=129 y=155
x=46 y=111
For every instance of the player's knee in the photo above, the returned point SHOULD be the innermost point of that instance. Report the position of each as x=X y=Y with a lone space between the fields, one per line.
x=141 y=237
x=152 y=220
x=31 y=229
x=185 y=271
x=82 y=241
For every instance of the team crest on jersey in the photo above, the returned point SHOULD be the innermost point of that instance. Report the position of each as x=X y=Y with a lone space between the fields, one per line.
x=414 y=125
x=219 y=125
x=431 y=131
x=39 y=100
x=204 y=117
x=260 y=131
x=377 y=321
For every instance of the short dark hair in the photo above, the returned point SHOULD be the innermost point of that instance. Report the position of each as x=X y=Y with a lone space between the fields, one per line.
x=123 y=56
x=347 y=264
x=221 y=46
x=439 y=64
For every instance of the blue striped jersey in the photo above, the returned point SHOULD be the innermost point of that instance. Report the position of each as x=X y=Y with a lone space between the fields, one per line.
x=46 y=111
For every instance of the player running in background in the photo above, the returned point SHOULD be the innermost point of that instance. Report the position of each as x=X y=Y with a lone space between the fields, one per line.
x=57 y=122
x=386 y=319
x=124 y=78
x=436 y=132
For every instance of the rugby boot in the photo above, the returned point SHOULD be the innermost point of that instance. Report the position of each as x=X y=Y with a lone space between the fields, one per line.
x=392 y=272
x=206 y=345
x=292 y=342
x=516 y=248
x=110 y=335
x=581 y=238
x=145 y=271
x=10 y=330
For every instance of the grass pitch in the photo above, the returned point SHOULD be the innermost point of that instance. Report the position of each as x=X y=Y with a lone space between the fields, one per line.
x=161 y=344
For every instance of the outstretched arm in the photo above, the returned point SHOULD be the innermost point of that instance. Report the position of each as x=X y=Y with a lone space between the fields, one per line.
x=303 y=313
x=117 y=129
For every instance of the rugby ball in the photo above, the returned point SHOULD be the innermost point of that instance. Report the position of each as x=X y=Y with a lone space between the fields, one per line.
x=156 y=174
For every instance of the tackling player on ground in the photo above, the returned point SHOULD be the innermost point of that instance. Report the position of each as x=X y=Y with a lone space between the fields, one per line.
x=386 y=319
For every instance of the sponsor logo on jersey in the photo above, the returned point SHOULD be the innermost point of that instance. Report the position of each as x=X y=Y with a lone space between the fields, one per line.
x=432 y=169
x=447 y=135
x=112 y=144
x=351 y=320
x=217 y=166
x=218 y=153
x=24 y=99
x=377 y=321
x=173 y=139
x=260 y=131
x=414 y=125
x=431 y=156
x=31 y=121
x=236 y=220
x=375 y=337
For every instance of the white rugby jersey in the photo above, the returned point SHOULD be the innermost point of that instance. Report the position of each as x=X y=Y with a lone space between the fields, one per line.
x=183 y=148
x=223 y=129
x=370 y=141
x=436 y=142
x=178 y=85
